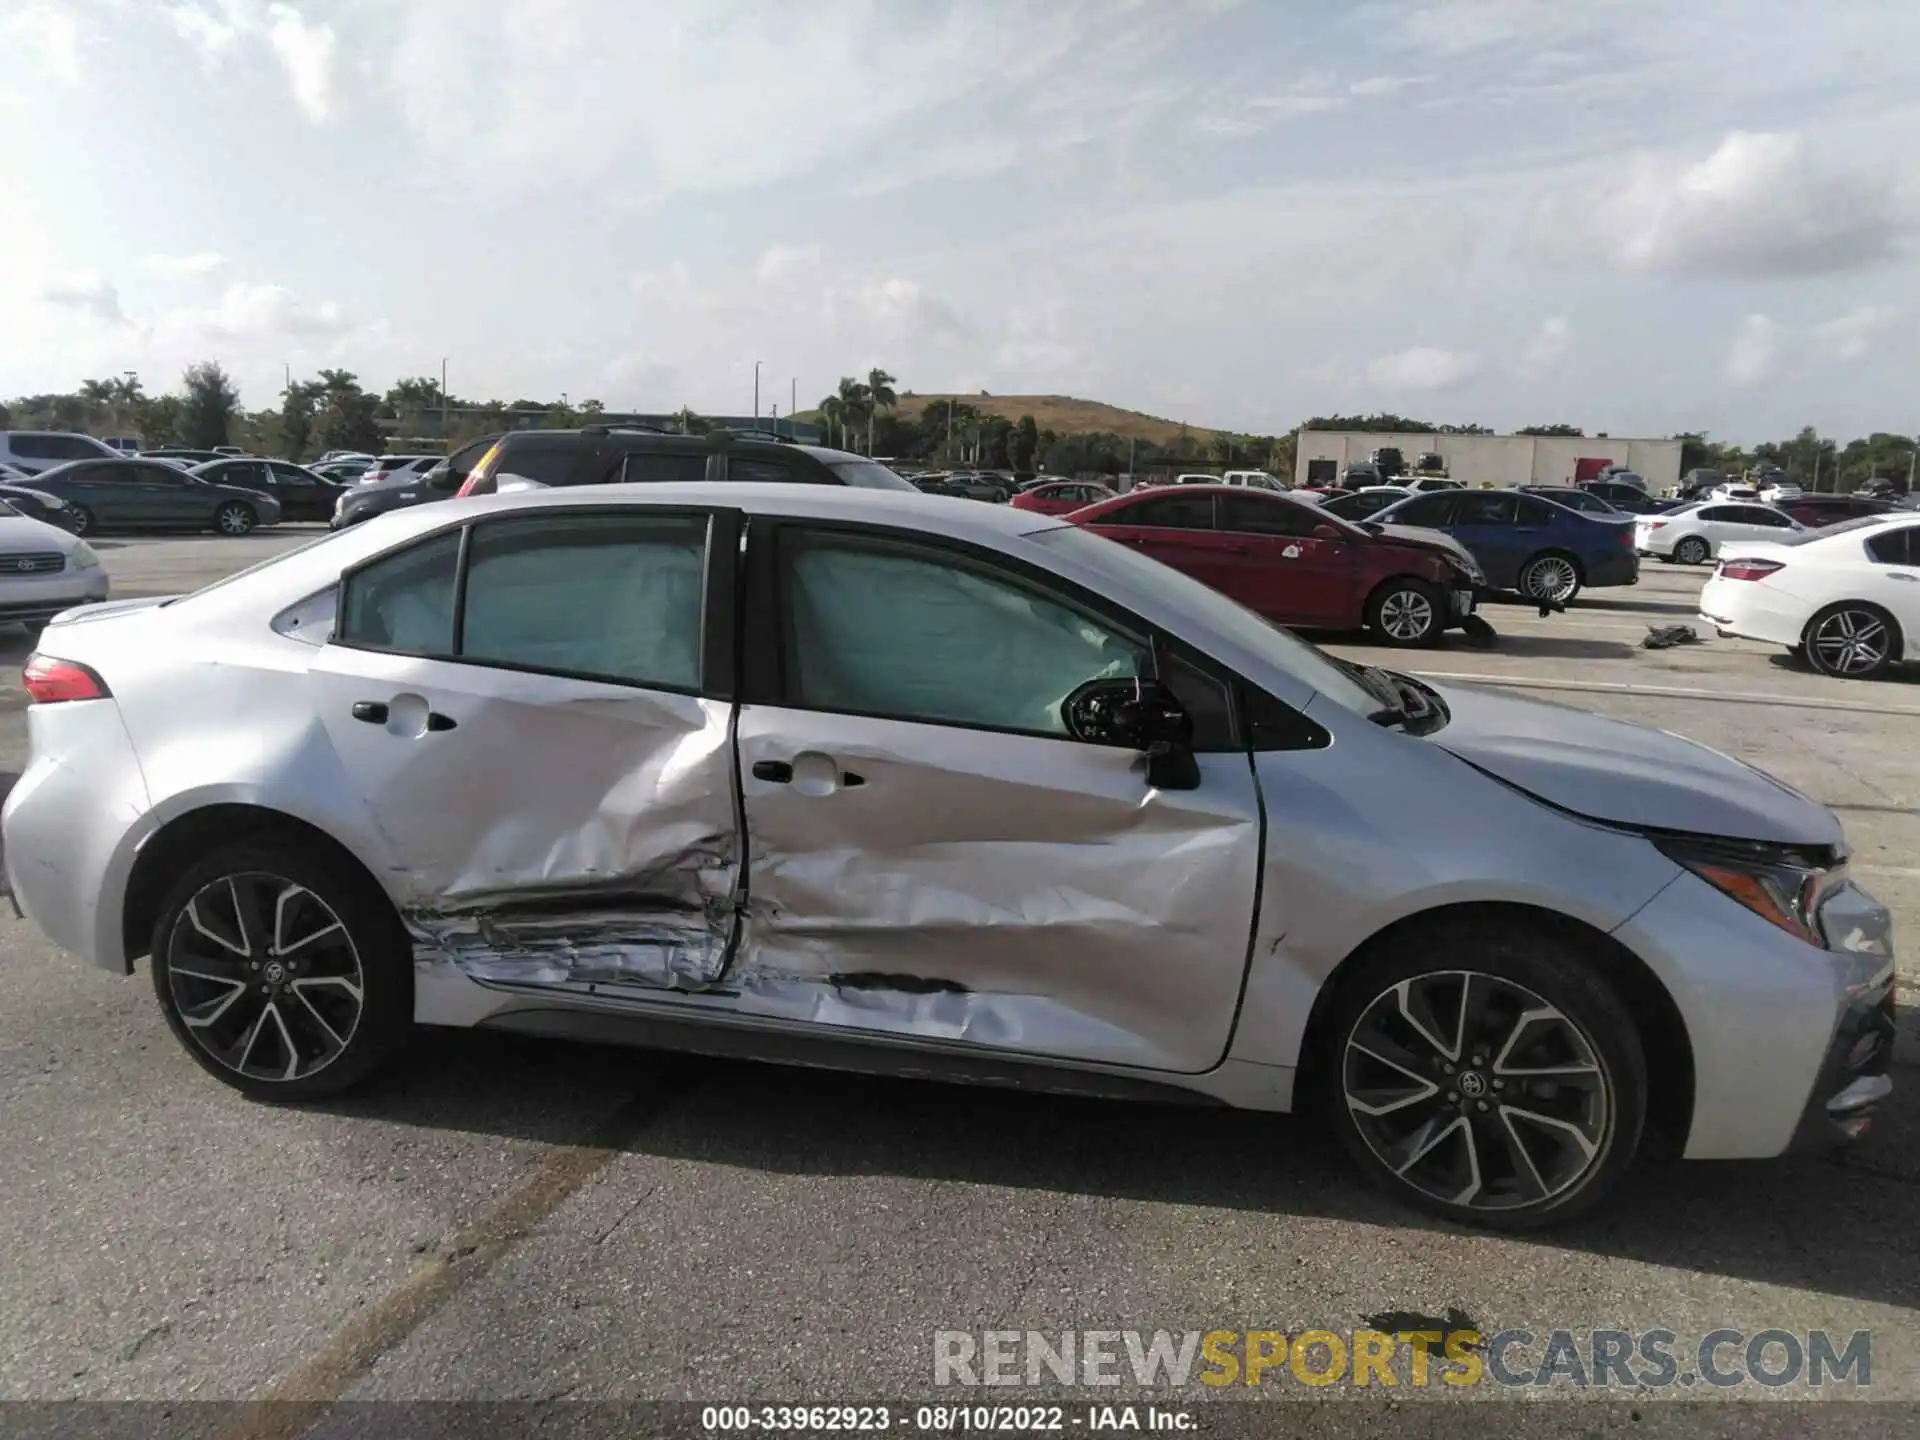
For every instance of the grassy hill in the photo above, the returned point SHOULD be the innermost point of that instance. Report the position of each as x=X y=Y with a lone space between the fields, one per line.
x=1062 y=414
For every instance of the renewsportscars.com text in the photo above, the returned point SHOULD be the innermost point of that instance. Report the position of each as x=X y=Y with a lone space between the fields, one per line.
x=1415 y=1359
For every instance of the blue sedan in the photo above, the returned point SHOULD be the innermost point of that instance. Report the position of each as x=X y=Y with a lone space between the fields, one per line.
x=1527 y=543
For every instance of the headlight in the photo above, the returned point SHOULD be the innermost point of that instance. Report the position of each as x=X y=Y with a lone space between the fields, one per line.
x=1779 y=883
x=83 y=556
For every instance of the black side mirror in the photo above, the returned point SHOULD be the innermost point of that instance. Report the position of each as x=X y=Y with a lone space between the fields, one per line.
x=1137 y=714
x=437 y=479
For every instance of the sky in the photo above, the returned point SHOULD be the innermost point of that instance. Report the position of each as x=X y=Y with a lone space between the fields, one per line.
x=1636 y=216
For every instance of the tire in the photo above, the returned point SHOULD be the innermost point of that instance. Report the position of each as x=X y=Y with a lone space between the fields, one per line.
x=1692 y=551
x=83 y=522
x=1477 y=1157
x=1852 y=641
x=312 y=1035
x=1550 y=576
x=235 y=518
x=1395 y=611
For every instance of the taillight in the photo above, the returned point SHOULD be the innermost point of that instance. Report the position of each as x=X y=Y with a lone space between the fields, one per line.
x=1749 y=569
x=49 y=681
x=1625 y=536
x=1654 y=524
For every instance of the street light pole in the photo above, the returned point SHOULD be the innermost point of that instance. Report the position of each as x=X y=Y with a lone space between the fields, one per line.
x=756 y=394
x=444 y=412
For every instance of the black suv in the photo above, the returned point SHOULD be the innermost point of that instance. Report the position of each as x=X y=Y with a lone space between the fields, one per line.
x=602 y=455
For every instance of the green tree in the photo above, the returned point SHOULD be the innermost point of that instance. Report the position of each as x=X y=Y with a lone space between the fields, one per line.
x=880 y=396
x=1550 y=430
x=688 y=423
x=208 y=405
x=1026 y=443
x=345 y=416
x=856 y=404
x=297 y=404
x=833 y=417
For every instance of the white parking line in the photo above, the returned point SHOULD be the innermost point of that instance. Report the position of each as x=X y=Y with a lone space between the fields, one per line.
x=1673 y=692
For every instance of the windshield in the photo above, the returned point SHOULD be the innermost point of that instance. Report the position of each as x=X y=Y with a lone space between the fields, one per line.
x=868 y=475
x=1280 y=648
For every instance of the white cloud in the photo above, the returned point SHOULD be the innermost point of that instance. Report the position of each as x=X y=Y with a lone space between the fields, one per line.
x=906 y=309
x=259 y=311
x=1760 y=206
x=1851 y=336
x=1549 y=345
x=54 y=31
x=786 y=264
x=213 y=30
x=1306 y=104
x=1225 y=125
x=88 y=291
x=1423 y=368
x=1387 y=84
x=205 y=262
x=307 y=51
x=1754 y=353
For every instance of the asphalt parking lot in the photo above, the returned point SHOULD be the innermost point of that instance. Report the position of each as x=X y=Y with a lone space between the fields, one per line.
x=520 y=1219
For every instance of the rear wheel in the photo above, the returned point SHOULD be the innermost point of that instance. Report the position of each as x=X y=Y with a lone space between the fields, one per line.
x=1550 y=577
x=1852 y=641
x=83 y=521
x=1692 y=551
x=236 y=517
x=1406 y=611
x=1487 y=1074
x=284 y=974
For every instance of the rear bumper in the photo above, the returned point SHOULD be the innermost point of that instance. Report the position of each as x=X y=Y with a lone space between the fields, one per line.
x=1620 y=567
x=1753 y=610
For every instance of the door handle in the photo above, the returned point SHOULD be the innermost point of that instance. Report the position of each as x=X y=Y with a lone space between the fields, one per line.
x=371 y=711
x=1239 y=549
x=1901 y=575
x=779 y=772
x=437 y=721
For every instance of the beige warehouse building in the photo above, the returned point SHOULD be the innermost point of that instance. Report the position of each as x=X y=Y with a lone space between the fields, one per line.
x=1490 y=459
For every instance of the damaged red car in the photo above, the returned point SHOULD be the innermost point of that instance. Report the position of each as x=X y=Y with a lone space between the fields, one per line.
x=1296 y=564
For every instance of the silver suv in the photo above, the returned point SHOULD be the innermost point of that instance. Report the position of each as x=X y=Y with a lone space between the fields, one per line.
x=32 y=451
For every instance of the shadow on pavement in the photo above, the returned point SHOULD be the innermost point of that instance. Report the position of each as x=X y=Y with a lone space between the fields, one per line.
x=1560 y=647
x=1813 y=1223
x=1626 y=600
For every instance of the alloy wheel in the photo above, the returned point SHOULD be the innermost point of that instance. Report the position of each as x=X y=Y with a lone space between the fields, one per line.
x=1691 y=551
x=1851 y=642
x=234 y=519
x=1476 y=1091
x=1551 y=577
x=1406 y=615
x=265 y=977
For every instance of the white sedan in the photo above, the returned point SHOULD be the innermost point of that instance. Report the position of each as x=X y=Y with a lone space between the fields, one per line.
x=44 y=570
x=1846 y=598
x=1693 y=534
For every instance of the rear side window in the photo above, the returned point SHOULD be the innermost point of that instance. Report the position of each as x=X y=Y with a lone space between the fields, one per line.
x=1895 y=547
x=1533 y=511
x=604 y=596
x=404 y=602
x=1489 y=508
x=1167 y=512
x=660 y=469
x=756 y=470
x=544 y=462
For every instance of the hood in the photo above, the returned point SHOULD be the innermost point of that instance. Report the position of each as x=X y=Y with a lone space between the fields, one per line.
x=1626 y=774
x=1428 y=540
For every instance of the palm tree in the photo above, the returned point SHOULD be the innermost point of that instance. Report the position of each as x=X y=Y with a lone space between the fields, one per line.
x=855 y=402
x=880 y=396
x=832 y=414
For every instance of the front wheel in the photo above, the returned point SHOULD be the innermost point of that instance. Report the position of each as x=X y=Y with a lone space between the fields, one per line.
x=1550 y=577
x=1851 y=641
x=1407 y=612
x=83 y=522
x=284 y=974
x=236 y=517
x=1488 y=1075
x=1692 y=551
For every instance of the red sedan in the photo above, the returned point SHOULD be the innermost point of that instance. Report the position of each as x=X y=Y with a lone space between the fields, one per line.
x=1061 y=497
x=1297 y=565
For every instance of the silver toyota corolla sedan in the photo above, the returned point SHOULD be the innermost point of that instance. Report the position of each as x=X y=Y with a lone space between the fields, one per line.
x=904 y=784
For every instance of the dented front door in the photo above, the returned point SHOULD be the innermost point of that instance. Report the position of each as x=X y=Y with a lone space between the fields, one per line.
x=932 y=856
x=538 y=826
